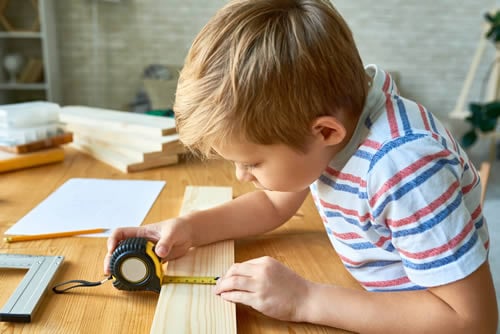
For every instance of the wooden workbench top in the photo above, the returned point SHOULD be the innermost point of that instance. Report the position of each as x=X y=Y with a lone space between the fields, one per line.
x=301 y=244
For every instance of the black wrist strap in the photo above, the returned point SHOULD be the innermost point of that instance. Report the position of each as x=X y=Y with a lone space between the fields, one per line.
x=77 y=283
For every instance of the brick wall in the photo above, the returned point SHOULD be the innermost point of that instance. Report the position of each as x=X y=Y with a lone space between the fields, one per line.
x=105 y=46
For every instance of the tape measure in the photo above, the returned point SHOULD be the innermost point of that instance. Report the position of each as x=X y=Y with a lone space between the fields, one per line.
x=135 y=266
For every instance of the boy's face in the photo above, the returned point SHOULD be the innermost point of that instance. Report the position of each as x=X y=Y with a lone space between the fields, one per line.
x=277 y=167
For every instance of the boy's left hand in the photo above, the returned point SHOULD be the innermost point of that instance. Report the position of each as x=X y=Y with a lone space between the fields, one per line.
x=266 y=285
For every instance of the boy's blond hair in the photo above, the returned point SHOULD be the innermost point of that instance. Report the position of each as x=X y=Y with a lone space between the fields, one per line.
x=263 y=70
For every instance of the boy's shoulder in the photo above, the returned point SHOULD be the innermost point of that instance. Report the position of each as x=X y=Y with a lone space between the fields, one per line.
x=406 y=127
x=400 y=136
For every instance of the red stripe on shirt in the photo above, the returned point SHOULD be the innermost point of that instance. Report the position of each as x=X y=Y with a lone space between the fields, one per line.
x=354 y=213
x=426 y=210
x=371 y=144
x=443 y=248
x=346 y=177
x=352 y=236
x=471 y=185
x=411 y=169
x=449 y=245
x=347 y=236
x=391 y=116
x=349 y=261
x=425 y=119
x=392 y=282
x=382 y=240
x=423 y=114
x=387 y=82
x=453 y=141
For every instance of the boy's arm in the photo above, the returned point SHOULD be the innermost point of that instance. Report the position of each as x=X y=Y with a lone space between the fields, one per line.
x=253 y=213
x=465 y=306
x=250 y=214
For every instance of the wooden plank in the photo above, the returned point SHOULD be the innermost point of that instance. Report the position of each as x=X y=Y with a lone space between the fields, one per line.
x=192 y=308
x=135 y=156
x=140 y=143
x=121 y=162
x=12 y=161
x=118 y=120
x=38 y=145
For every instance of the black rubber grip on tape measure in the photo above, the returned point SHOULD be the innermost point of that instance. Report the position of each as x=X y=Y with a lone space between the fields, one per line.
x=136 y=248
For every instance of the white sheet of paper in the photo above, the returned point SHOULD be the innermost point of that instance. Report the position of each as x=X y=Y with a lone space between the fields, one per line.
x=81 y=204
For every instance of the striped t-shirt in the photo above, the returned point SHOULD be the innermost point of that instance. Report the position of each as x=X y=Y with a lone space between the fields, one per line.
x=400 y=202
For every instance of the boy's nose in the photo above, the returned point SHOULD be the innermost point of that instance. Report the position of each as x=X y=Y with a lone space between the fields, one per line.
x=243 y=175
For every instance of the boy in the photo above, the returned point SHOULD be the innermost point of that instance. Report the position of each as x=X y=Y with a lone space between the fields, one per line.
x=278 y=87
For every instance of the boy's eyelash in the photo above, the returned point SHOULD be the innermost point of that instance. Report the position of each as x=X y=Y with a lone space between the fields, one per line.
x=249 y=166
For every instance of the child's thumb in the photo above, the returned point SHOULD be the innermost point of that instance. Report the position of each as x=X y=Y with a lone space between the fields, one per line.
x=162 y=249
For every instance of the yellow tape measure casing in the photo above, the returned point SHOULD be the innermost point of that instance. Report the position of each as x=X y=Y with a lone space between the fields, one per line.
x=135 y=266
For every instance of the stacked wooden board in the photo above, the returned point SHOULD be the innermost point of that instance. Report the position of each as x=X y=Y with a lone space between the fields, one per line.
x=14 y=161
x=30 y=135
x=127 y=141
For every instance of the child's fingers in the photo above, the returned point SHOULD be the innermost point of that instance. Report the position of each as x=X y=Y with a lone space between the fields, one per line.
x=240 y=297
x=235 y=283
x=241 y=269
x=120 y=234
x=123 y=233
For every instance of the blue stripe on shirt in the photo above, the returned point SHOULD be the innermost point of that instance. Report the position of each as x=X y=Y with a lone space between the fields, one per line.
x=445 y=260
x=393 y=144
x=435 y=220
x=343 y=187
x=372 y=264
x=352 y=221
x=432 y=122
x=390 y=289
x=403 y=115
x=363 y=155
x=414 y=183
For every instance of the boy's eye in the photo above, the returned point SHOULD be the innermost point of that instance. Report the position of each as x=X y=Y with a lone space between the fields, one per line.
x=249 y=166
x=246 y=166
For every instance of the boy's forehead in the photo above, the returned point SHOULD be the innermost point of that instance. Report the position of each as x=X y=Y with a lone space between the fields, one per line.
x=239 y=151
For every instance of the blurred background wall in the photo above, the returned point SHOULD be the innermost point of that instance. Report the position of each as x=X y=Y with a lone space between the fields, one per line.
x=104 y=46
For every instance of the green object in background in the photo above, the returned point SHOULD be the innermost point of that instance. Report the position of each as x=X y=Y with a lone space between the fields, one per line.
x=493 y=32
x=483 y=118
x=164 y=113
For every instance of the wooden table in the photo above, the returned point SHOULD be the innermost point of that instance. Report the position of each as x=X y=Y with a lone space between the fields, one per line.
x=301 y=244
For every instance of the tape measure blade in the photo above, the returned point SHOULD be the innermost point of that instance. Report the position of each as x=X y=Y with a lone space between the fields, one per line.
x=209 y=280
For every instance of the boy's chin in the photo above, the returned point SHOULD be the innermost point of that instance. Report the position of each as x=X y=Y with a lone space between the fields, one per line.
x=259 y=186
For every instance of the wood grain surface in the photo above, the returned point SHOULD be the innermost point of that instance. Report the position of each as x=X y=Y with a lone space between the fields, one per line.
x=301 y=244
x=194 y=308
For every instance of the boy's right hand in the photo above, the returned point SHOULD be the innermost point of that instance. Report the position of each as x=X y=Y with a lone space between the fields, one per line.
x=173 y=238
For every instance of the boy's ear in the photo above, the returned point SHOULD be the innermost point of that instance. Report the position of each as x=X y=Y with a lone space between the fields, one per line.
x=329 y=130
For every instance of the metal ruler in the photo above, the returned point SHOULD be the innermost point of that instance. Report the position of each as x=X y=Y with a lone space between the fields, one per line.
x=26 y=298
